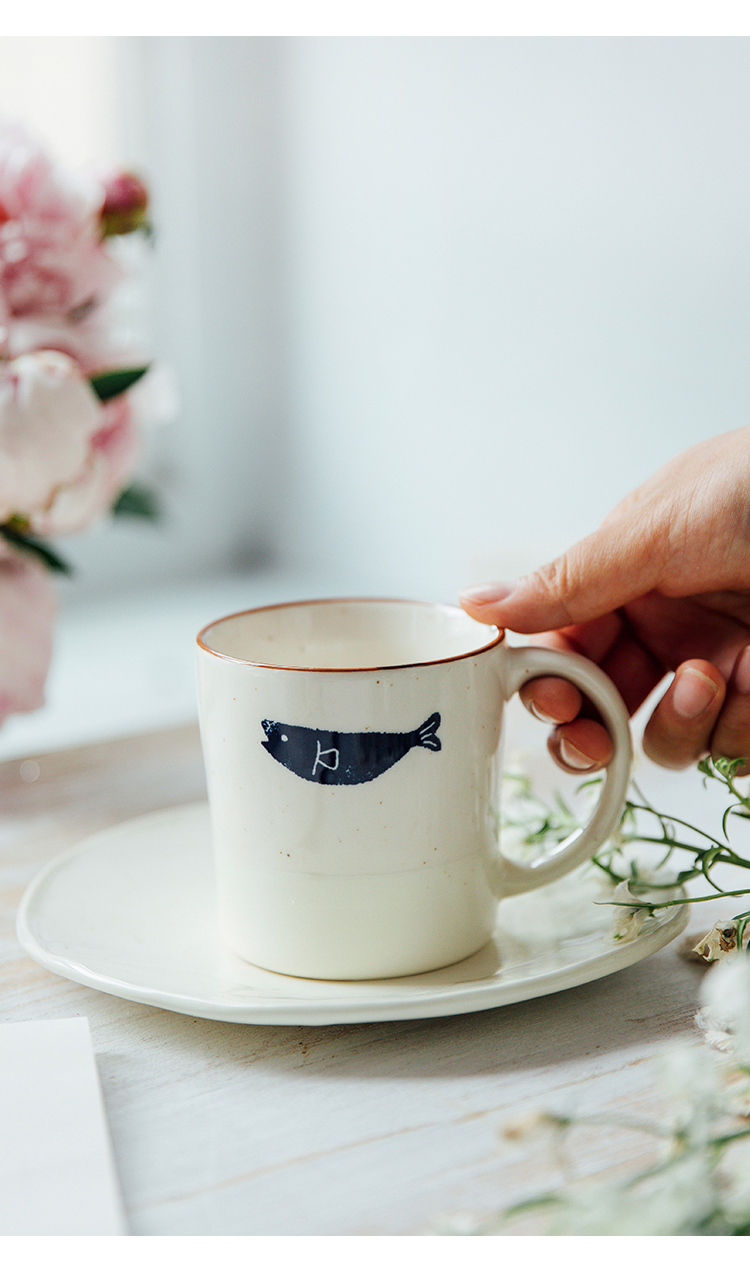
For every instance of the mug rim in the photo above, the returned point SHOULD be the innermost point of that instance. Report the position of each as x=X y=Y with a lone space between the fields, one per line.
x=326 y=601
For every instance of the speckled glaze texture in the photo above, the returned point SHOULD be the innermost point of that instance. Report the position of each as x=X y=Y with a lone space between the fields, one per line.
x=354 y=807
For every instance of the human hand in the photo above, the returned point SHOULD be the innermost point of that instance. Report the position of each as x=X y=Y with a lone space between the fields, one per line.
x=663 y=585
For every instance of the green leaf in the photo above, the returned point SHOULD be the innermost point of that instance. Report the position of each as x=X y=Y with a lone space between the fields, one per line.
x=35 y=547
x=742 y=922
x=108 y=385
x=137 y=502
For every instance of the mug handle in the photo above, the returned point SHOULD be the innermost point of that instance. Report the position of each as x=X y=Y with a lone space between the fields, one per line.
x=523 y=664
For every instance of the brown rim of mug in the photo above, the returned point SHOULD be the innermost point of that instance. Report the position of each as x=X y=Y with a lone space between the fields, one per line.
x=338 y=601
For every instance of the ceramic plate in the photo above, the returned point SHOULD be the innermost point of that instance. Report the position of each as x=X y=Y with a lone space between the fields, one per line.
x=130 y=911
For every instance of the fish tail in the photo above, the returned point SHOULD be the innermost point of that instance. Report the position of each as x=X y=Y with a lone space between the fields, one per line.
x=426 y=736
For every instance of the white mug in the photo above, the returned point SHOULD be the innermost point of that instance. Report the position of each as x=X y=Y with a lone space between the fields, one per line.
x=352 y=752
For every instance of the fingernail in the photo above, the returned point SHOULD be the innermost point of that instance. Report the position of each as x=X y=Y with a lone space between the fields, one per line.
x=693 y=692
x=542 y=716
x=572 y=757
x=742 y=673
x=483 y=594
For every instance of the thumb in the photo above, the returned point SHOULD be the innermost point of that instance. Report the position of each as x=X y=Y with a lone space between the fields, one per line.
x=607 y=569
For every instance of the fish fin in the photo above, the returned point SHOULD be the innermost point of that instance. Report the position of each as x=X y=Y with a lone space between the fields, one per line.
x=426 y=734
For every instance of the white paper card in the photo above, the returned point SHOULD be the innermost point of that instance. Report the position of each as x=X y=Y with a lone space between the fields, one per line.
x=57 y=1173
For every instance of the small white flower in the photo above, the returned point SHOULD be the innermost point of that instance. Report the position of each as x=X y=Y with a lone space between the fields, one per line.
x=695 y=1084
x=627 y=925
x=736 y=1174
x=713 y=1031
x=737 y=1098
x=720 y=943
x=725 y=993
x=629 y=917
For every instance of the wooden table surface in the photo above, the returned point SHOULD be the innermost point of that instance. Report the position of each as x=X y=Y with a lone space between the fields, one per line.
x=376 y=1129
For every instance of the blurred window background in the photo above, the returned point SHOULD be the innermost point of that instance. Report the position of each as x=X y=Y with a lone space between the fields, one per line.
x=430 y=305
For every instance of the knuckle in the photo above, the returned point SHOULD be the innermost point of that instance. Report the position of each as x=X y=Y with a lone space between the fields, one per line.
x=558 y=581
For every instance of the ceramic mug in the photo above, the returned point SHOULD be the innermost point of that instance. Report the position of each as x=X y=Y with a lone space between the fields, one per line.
x=352 y=752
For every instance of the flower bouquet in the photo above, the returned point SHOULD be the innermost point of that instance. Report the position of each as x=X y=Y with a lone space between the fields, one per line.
x=68 y=425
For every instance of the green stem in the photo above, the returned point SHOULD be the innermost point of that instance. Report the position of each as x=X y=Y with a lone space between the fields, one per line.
x=674 y=902
x=647 y=809
x=729 y=1137
x=608 y=871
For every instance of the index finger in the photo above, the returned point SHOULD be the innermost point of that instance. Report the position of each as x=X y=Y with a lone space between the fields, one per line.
x=599 y=574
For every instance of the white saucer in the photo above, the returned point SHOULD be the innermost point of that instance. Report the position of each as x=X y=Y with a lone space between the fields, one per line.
x=131 y=911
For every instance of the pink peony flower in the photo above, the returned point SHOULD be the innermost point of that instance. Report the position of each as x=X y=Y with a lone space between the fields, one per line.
x=112 y=454
x=64 y=455
x=49 y=415
x=27 y=611
x=53 y=260
x=92 y=340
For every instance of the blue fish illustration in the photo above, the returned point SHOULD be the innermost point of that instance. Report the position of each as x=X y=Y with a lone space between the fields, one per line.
x=330 y=756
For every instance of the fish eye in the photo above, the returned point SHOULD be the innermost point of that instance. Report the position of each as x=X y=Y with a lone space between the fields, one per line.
x=285 y=738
